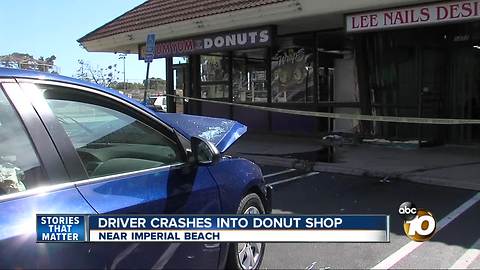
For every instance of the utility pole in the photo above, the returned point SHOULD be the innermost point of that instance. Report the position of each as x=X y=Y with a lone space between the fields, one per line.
x=123 y=56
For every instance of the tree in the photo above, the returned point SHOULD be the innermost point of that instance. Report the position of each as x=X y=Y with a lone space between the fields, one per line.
x=107 y=76
x=158 y=84
x=27 y=61
x=82 y=71
x=129 y=85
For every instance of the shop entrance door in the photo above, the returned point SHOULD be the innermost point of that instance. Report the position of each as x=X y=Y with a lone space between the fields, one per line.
x=181 y=86
x=464 y=91
x=432 y=87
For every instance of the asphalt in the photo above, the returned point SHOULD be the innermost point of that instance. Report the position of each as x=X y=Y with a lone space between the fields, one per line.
x=328 y=193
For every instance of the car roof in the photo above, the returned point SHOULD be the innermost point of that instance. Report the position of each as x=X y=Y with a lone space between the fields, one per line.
x=31 y=74
x=224 y=133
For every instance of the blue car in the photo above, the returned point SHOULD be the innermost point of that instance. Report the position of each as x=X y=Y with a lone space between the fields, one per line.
x=72 y=147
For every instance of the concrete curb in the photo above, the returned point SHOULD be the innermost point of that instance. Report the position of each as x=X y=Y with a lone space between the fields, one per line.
x=446 y=182
x=272 y=161
x=336 y=168
x=412 y=177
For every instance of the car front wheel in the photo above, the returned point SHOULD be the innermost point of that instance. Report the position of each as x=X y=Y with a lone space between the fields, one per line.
x=247 y=255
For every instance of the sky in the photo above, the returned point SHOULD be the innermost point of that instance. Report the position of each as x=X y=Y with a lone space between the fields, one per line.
x=52 y=27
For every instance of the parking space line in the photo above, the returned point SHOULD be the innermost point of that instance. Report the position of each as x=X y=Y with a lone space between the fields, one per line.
x=278 y=173
x=468 y=257
x=394 y=258
x=293 y=178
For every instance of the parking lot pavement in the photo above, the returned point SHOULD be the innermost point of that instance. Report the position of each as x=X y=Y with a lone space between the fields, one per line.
x=325 y=193
x=274 y=174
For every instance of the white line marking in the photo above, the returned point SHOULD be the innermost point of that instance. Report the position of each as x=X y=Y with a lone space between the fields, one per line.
x=394 y=258
x=310 y=267
x=278 y=173
x=293 y=178
x=468 y=257
x=123 y=255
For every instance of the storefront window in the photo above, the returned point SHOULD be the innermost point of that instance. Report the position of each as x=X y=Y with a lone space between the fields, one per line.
x=292 y=70
x=215 y=91
x=214 y=77
x=249 y=77
x=214 y=68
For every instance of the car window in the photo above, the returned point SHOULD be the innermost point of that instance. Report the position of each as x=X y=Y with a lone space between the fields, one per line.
x=19 y=165
x=108 y=141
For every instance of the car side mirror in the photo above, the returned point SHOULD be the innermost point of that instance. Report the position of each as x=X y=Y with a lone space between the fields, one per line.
x=204 y=152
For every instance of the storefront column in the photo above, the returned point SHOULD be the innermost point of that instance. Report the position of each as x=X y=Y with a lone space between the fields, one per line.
x=316 y=86
x=268 y=77
x=230 y=82
x=315 y=69
x=363 y=82
x=169 y=84
x=195 y=106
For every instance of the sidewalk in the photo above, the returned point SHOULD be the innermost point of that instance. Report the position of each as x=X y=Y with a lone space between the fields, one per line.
x=449 y=165
x=257 y=144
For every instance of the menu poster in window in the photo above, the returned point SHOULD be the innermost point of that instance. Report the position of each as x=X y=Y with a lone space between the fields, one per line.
x=213 y=68
x=290 y=71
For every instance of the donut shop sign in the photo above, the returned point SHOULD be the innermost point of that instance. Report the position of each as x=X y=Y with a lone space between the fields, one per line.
x=440 y=12
x=233 y=40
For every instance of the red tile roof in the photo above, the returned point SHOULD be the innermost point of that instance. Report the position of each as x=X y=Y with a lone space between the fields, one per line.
x=159 y=12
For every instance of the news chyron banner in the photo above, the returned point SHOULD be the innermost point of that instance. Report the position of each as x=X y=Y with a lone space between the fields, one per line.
x=210 y=228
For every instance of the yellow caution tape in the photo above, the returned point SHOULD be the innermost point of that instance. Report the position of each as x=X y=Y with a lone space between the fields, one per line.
x=361 y=117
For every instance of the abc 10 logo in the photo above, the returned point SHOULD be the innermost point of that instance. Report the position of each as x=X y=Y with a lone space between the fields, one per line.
x=418 y=224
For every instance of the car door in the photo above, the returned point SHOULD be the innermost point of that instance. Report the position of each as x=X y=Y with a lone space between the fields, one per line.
x=133 y=164
x=33 y=181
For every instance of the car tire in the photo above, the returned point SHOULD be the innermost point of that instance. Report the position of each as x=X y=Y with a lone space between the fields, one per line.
x=250 y=204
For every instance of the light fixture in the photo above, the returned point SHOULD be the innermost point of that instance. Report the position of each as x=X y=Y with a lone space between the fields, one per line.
x=476 y=47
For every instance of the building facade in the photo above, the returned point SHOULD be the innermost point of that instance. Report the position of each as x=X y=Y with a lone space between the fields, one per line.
x=395 y=58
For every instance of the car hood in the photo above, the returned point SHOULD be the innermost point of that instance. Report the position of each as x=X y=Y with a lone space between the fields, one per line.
x=221 y=132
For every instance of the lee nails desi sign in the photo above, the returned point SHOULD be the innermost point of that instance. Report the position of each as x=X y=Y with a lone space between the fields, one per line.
x=443 y=12
x=241 y=39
